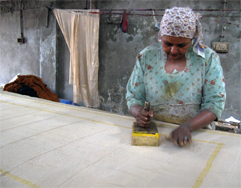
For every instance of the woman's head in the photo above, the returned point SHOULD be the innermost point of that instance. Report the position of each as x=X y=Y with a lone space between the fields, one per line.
x=179 y=22
x=182 y=22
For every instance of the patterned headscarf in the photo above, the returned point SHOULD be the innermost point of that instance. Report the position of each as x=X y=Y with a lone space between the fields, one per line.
x=183 y=22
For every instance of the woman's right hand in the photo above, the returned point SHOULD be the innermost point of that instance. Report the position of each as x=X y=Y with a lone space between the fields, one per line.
x=143 y=117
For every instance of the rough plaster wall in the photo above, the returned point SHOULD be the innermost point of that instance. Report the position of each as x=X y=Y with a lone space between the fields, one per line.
x=37 y=56
x=118 y=50
x=47 y=48
x=231 y=61
x=65 y=90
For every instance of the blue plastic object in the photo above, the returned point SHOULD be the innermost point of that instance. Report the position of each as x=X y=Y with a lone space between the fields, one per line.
x=65 y=101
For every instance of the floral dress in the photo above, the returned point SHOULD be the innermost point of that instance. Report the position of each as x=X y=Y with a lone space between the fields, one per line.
x=178 y=96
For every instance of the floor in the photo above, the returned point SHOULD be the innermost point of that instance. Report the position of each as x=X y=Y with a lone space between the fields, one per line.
x=49 y=144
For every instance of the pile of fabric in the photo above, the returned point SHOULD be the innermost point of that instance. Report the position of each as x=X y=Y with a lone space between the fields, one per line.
x=32 y=86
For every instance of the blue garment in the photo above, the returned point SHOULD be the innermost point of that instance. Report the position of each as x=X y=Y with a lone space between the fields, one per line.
x=177 y=96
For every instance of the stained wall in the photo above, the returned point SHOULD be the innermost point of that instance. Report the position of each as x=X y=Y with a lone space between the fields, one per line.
x=45 y=53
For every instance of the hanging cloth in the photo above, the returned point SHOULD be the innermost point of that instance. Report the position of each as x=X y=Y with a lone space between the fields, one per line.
x=81 y=32
x=124 y=22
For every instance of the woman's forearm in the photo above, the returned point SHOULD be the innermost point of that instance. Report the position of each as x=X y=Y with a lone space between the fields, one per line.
x=201 y=120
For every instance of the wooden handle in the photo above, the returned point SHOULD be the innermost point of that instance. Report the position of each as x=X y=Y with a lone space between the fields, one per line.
x=147 y=106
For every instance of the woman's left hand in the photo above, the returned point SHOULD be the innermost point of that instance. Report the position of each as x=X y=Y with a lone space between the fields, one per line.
x=182 y=135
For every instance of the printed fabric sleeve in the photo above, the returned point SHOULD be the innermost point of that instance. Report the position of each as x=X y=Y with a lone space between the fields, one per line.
x=135 y=87
x=214 y=94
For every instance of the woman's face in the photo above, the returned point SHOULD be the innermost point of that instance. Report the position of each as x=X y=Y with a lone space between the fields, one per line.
x=175 y=47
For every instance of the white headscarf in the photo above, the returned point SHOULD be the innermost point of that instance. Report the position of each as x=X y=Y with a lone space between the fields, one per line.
x=183 y=22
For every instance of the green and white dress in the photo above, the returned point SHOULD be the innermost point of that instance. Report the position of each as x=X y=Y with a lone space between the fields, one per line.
x=178 y=96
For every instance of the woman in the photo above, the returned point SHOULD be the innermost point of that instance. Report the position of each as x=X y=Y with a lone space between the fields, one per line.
x=181 y=78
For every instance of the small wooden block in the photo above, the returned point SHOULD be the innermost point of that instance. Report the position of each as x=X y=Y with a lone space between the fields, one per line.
x=145 y=136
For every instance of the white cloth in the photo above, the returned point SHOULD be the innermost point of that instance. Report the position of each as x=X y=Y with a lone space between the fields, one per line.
x=81 y=32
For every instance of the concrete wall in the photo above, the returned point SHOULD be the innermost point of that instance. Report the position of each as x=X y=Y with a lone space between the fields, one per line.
x=118 y=50
x=37 y=55
x=46 y=54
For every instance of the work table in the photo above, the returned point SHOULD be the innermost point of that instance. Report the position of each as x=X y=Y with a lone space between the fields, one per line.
x=50 y=144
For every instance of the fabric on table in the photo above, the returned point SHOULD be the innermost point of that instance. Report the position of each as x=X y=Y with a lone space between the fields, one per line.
x=199 y=86
x=81 y=32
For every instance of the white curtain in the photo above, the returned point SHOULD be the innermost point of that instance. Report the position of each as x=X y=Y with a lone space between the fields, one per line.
x=81 y=32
